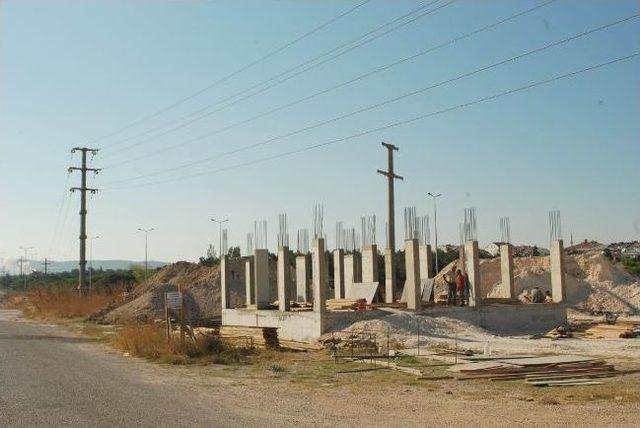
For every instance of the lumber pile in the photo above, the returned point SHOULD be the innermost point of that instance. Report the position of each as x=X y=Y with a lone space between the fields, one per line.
x=258 y=337
x=347 y=305
x=619 y=330
x=560 y=370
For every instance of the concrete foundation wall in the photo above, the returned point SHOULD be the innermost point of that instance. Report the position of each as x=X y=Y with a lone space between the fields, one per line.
x=412 y=285
x=507 y=282
x=426 y=261
x=261 y=279
x=370 y=263
x=303 y=278
x=338 y=274
x=556 y=261
x=472 y=268
x=284 y=279
x=249 y=280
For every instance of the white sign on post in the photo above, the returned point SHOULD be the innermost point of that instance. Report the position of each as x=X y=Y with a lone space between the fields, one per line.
x=173 y=299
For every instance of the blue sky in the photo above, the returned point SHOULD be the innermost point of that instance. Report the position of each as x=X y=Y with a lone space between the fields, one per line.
x=74 y=71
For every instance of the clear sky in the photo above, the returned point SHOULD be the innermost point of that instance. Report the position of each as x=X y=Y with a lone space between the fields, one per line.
x=72 y=72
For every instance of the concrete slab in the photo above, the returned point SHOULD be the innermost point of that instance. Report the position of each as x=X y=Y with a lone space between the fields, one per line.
x=303 y=278
x=363 y=290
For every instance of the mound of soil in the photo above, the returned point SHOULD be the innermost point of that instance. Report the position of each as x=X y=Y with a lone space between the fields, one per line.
x=201 y=288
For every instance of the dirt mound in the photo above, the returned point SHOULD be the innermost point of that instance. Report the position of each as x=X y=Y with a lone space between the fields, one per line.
x=201 y=288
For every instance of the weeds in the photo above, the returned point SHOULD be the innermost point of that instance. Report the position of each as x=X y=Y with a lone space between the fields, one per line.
x=149 y=341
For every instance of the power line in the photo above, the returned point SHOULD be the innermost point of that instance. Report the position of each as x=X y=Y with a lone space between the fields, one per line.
x=242 y=93
x=233 y=74
x=383 y=103
x=340 y=85
x=393 y=124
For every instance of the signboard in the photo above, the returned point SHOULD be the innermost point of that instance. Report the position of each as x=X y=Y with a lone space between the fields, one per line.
x=173 y=300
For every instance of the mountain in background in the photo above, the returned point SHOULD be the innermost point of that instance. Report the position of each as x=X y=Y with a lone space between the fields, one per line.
x=12 y=266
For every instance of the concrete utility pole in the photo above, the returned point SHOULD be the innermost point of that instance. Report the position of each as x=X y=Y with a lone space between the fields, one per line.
x=23 y=260
x=435 y=227
x=83 y=211
x=146 y=250
x=390 y=280
x=220 y=222
x=46 y=264
x=91 y=261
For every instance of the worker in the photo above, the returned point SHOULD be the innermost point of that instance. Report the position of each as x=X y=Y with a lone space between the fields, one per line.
x=460 y=286
x=547 y=297
x=450 y=278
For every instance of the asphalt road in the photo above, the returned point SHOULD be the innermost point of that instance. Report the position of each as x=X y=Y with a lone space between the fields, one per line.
x=49 y=377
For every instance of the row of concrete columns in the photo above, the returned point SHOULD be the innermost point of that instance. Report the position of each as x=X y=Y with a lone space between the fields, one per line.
x=355 y=268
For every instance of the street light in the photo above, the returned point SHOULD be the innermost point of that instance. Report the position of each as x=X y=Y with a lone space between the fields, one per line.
x=435 y=225
x=91 y=259
x=146 y=250
x=22 y=262
x=220 y=222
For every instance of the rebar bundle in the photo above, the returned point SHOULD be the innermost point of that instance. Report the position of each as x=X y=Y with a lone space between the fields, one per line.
x=249 y=249
x=424 y=230
x=260 y=234
x=368 y=229
x=283 y=230
x=318 y=221
x=555 y=225
x=470 y=225
x=505 y=230
x=352 y=240
x=410 y=223
x=340 y=236
x=303 y=241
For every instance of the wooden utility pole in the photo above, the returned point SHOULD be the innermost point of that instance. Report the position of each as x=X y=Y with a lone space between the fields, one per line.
x=390 y=266
x=46 y=264
x=82 y=264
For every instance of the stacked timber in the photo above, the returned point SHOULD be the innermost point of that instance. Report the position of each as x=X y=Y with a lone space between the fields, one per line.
x=252 y=337
x=561 y=370
x=343 y=304
x=619 y=330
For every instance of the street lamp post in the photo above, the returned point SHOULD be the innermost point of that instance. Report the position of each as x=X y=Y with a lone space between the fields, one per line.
x=22 y=262
x=91 y=261
x=146 y=250
x=435 y=226
x=220 y=222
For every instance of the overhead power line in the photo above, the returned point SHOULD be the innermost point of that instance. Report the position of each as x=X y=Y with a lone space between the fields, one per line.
x=332 y=88
x=534 y=51
x=233 y=73
x=393 y=124
x=246 y=93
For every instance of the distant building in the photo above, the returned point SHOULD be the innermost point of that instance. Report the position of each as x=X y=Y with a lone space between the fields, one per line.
x=585 y=247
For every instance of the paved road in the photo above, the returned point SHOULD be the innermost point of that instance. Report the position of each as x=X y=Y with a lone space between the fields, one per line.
x=51 y=378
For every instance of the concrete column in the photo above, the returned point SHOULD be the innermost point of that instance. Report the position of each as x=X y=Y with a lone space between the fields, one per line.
x=426 y=261
x=338 y=274
x=249 y=281
x=224 y=284
x=303 y=278
x=370 y=263
x=389 y=276
x=261 y=281
x=412 y=265
x=556 y=260
x=284 y=279
x=319 y=272
x=506 y=271
x=472 y=268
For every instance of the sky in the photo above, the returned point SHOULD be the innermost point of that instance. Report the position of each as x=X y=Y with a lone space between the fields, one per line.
x=178 y=97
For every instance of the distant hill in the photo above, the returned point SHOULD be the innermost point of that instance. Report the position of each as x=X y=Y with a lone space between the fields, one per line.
x=12 y=266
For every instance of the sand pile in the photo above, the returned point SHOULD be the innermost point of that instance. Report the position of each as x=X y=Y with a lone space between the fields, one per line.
x=201 y=287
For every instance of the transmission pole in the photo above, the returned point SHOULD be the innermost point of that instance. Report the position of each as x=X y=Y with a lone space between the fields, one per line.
x=390 y=266
x=82 y=264
x=46 y=264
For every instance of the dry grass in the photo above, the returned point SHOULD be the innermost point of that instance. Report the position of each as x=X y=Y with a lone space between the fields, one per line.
x=149 y=341
x=60 y=303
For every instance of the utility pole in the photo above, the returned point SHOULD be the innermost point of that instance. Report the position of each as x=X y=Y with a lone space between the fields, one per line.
x=390 y=280
x=46 y=264
x=146 y=250
x=23 y=260
x=82 y=264
x=435 y=226
x=220 y=222
x=91 y=261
